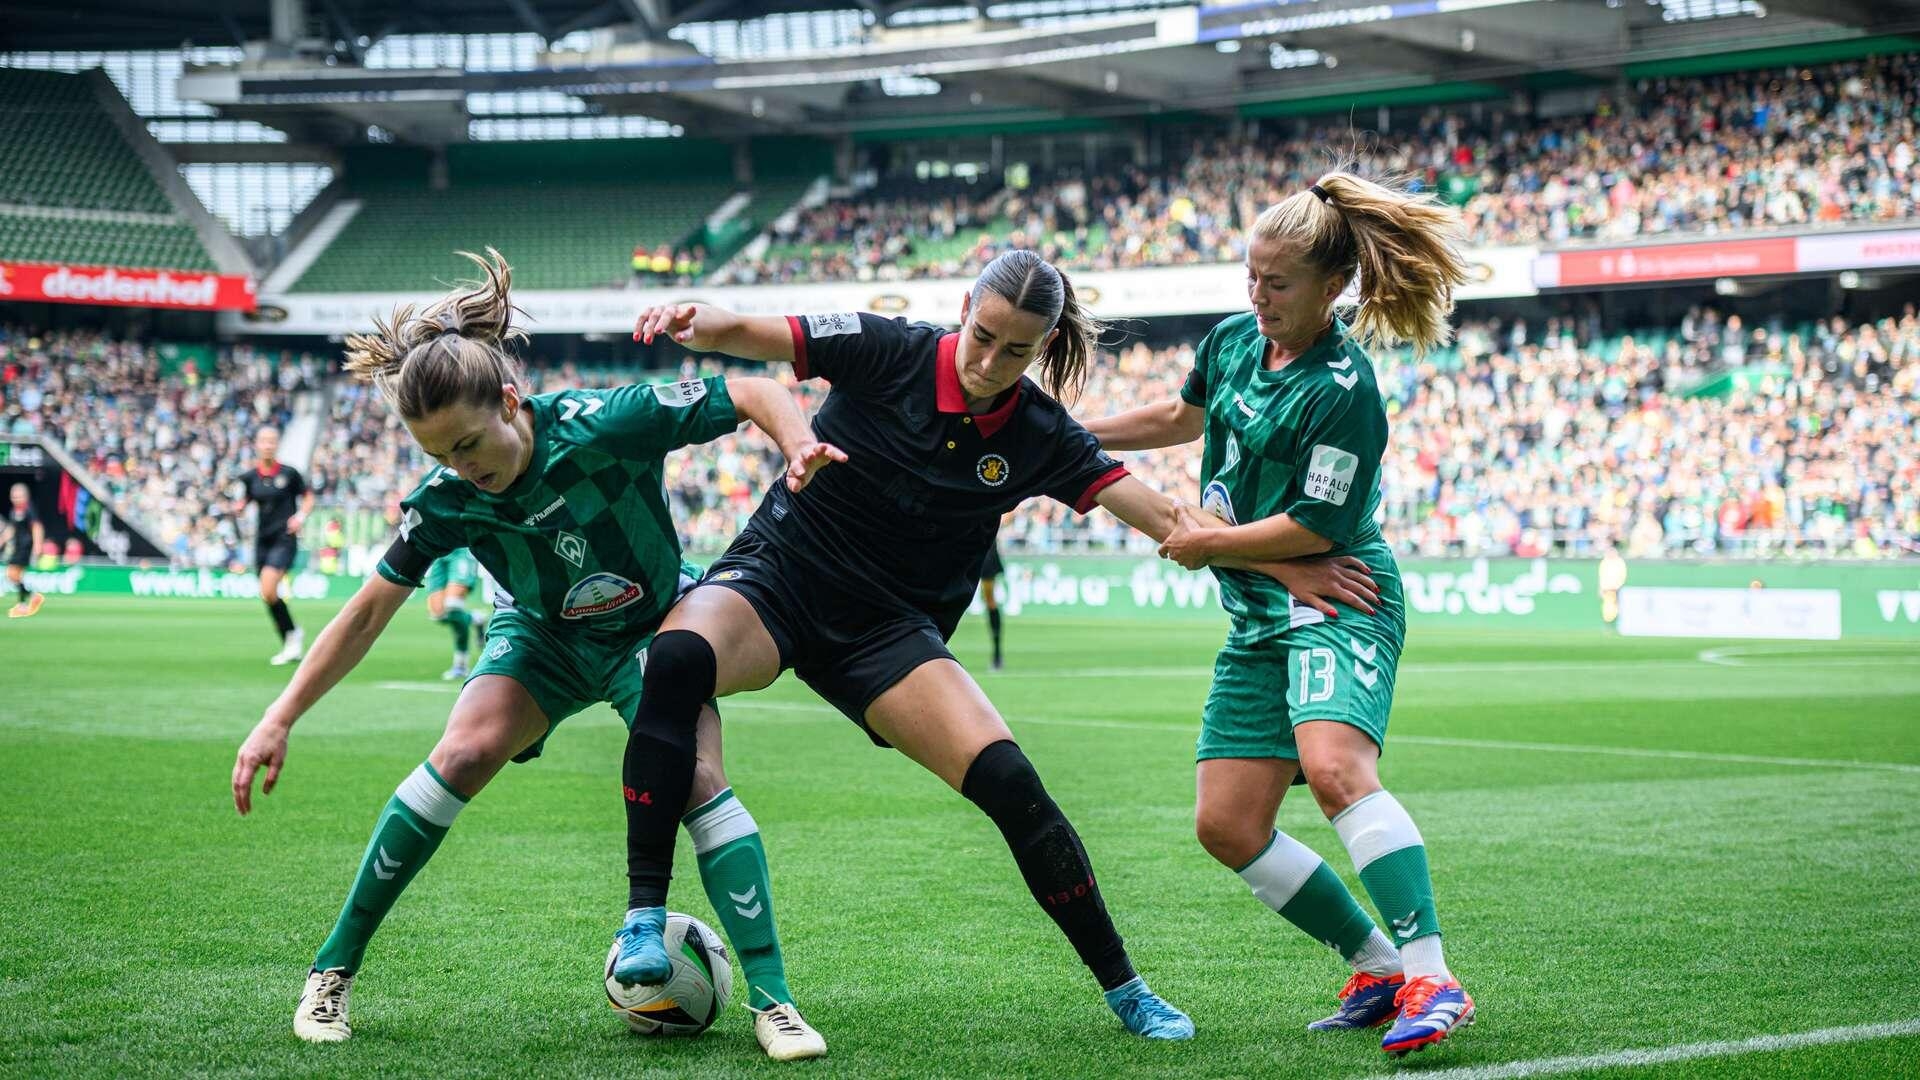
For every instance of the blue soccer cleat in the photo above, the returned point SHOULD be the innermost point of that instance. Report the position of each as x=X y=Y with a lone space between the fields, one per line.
x=1147 y=1014
x=643 y=951
x=1366 y=1001
x=1430 y=1009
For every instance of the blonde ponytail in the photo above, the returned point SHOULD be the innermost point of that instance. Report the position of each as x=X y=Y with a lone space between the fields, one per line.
x=453 y=352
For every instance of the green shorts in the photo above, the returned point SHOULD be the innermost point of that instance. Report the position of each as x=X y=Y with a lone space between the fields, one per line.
x=457 y=568
x=1341 y=670
x=564 y=674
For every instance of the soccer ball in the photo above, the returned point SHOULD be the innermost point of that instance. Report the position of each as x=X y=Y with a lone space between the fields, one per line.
x=698 y=984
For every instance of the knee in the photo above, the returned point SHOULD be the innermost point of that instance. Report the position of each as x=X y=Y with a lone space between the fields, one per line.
x=467 y=760
x=1002 y=782
x=1342 y=782
x=1232 y=839
x=681 y=668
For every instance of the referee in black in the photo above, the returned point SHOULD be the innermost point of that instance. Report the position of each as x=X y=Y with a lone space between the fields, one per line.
x=284 y=500
x=25 y=534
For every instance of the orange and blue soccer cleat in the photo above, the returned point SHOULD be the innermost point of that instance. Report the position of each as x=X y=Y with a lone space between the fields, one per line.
x=1366 y=1001
x=1430 y=1009
x=31 y=606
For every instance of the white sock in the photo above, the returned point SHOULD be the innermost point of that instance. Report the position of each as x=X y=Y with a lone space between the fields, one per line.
x=1378 y=956
x=1424 y=957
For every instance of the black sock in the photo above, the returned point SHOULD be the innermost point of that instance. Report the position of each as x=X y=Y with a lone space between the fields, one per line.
x=993 y=626
x=1002 y=782
x=22 y=586
x=282 y=618
x=657 y=775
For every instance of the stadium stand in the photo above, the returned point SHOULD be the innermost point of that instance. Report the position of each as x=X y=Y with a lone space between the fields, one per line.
x=73 y=190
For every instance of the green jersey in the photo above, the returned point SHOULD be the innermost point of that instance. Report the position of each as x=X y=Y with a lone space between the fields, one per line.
x=1305 y=441
x=582 y=543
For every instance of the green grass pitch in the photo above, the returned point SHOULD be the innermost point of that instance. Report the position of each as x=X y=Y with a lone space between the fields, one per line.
x=1633 y=848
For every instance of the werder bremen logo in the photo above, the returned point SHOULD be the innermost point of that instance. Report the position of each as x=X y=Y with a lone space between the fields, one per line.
x=571 y=548
x=1330 y=474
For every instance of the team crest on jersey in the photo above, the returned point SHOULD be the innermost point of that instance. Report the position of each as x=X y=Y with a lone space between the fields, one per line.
x=280 y=481
x=992 y=470
x=571 y=548
x=1330 y=474
x=597 y=594
x=1217 y=502
x=1231 y=456
x=498 y=648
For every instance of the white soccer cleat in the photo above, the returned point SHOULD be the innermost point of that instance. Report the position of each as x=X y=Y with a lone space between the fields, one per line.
x=321 y=1016
x=784 y=1035
x=296 y=643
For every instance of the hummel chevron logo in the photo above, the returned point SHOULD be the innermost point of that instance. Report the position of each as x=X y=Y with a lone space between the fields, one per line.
x=572 y=407
x=1346 y=381
x=385 y=865
x=1342 y=365
x=1407 y=927
x=1367 y=652
x=747 y=898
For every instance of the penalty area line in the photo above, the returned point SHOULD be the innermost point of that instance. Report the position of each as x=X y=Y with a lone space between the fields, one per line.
x=1663 y=1055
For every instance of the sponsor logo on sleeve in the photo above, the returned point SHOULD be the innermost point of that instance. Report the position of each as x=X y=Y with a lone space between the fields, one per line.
x=845 y=322
x=1330 y=474
x=681 y=394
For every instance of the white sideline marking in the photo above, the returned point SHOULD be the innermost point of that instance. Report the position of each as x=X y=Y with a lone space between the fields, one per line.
x=1741 y=656
x=1663 y=1055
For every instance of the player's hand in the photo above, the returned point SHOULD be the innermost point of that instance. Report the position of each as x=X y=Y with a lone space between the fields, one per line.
x=294 y=523
x=810 y=458
x=681 y=322
x=1318 y=582
x=1186 y=544
x=266 y=746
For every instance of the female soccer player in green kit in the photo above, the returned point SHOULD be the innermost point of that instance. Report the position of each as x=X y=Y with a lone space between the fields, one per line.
x=1295 y=431
x=559 y=496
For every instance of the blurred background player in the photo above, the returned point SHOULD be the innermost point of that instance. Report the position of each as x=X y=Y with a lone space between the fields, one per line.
x=991 y=571
x=24 y=536
x=452 y=578
x=284 y=500
x=1613 y=578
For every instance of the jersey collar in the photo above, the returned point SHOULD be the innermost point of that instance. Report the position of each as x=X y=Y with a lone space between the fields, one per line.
x=275 y=471
x=950 y=399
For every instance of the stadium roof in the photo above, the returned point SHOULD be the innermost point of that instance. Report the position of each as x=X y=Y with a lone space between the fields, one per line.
x=1008 y=69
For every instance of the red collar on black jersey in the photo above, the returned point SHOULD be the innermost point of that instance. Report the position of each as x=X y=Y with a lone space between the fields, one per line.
x=275 y=471
x=950 y=399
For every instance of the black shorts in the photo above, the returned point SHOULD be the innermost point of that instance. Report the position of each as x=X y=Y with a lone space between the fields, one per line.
x=275 y=551
x=20 y=555
x=991 y=566
x=847 y=649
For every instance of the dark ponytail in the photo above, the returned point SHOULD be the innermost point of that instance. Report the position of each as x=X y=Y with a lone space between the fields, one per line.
x=1032 y=284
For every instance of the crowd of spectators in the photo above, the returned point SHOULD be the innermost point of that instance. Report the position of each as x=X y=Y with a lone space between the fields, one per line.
x=1826 y=145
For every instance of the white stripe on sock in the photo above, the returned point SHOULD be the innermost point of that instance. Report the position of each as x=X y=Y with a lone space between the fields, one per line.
x=1376 y=825
x=430 y=798
x=721 y=825
x=1276 y=876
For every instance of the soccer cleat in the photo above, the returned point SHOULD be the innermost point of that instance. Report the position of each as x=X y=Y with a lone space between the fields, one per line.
x=643 y=949
x=30 y=606
x=321 y=1016
x=454 y=673
x=1366 y=1001
x=784 y=1035
x=1146 y=1013
x=290 y=651
x=1430 y=1009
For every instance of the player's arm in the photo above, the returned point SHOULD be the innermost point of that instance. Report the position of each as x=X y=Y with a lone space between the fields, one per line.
x=706 y=328
x=300 y=517
x=1149 y=427
x=339 y=648
x=39 y=536
x=770 y=408
x=1311 y=580
x=1199 y=540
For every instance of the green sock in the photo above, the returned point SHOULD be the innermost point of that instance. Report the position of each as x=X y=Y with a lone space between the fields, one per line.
x=733 y=867
x=1392 y=860
x=462 y=625
x=415 y=820
x=1289 y=877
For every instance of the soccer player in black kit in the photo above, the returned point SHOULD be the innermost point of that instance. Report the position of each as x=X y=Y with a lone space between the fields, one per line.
x=284 y=500
x=25 y=534
x=858 y=581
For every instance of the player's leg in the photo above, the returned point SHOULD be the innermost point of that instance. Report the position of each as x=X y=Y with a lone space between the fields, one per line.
x=274 y=561
x=495 y=719
x=739 y=885
x=1247 y=760
x=990 y=596
x=28 y=602
x=453 y=611
x=712 y=643
x=1342 y=696
x=938 y=716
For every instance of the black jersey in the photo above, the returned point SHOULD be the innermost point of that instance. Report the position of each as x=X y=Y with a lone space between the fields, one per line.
x=21 y=520
x=912 y=514
x=277 y=491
